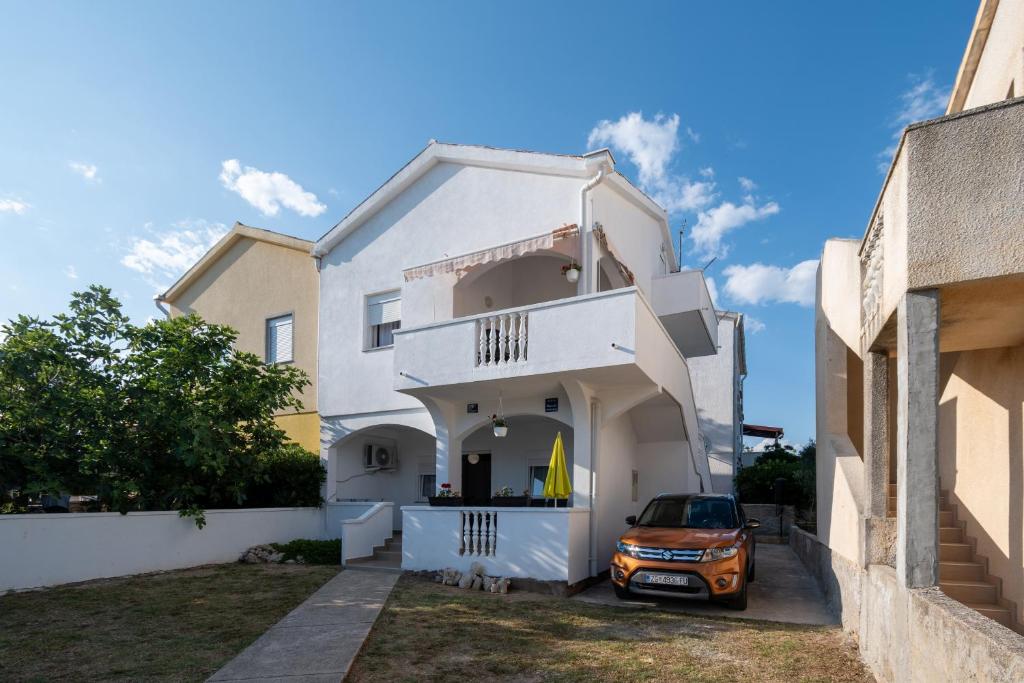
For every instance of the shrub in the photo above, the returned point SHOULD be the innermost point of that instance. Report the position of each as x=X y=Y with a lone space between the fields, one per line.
x=310 y=551
x=289 y=476
x=756 y=483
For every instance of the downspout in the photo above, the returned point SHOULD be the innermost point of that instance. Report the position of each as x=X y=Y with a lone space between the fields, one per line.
x=158 y=302
x=592 y=563
x=585 y=229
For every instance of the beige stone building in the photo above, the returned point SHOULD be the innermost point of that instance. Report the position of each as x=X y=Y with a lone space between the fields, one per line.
x=264 y=285
x=920 y=387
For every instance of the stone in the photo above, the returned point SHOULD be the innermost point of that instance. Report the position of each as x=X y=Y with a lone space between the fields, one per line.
x=478 y=583
x=476 y=569
x=466 y=581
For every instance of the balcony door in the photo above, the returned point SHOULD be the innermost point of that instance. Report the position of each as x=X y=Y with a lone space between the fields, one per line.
x=476 y=478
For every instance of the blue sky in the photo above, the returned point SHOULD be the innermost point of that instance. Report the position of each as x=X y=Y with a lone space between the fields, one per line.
x=762 y=125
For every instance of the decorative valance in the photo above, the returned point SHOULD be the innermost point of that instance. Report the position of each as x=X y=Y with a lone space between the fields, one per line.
x=460 y=264
x=625 y=272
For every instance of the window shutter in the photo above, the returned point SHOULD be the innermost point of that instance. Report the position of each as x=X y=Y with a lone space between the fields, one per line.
x=279 y=339
x=384 y=308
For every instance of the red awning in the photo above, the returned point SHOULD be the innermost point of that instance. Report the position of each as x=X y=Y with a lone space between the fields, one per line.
x=763 y=432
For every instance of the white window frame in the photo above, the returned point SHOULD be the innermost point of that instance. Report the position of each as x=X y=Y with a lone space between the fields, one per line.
x=266 y=339
x=529 y=475
x=369 y=326
x=419 y=484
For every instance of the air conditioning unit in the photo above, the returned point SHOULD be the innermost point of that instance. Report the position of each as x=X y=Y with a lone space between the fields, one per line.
x=378 y=456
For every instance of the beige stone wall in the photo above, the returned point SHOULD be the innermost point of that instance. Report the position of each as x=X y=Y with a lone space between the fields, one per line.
x=981 y=456
x=1002 y=62
x=251 y=282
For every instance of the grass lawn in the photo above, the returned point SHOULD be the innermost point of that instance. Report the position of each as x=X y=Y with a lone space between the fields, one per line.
x=175 y=626
x=439 y=633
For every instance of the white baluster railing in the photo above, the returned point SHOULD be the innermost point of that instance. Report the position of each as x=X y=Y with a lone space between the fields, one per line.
x=502 y=339
x=478 y=533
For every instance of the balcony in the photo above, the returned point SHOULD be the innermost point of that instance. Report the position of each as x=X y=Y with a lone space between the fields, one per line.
x=610 y=337
x=683 y=303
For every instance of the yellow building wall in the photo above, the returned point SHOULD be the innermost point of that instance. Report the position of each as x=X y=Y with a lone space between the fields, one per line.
x=302 y=428
x=251 y=282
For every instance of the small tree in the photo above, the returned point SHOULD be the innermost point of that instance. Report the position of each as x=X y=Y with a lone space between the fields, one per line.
x=167 y=416
x=756 y=483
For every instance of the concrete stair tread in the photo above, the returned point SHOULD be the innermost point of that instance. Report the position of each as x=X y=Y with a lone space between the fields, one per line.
x=960 y=563
x=961 y=582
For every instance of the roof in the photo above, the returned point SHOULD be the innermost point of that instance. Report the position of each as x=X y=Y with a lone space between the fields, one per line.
x=238 y=232
x=972 y=55
x=582 y=166
x=763 y=432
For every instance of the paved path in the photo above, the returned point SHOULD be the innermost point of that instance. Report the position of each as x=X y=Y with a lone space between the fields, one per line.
x=783 y=591
x=318 y=640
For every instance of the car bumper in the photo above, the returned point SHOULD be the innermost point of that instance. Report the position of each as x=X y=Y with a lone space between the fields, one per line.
x=707 y=580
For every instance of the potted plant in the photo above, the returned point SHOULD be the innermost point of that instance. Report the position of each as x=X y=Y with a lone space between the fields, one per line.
x=505 y=498
x=446 y=497
x=572 y=271
x=500 y=425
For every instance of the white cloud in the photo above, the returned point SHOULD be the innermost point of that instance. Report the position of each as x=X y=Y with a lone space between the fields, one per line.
x=650 y=145
x=692 y=134
x=921 y=101
x=747 y=184
x=715 y=223
x=87 y=171
x=71 y=273
x=759 y=283
x=752 y=324
x=169 y=254
x=268 y=192
x=16 y=206
x=707 y=172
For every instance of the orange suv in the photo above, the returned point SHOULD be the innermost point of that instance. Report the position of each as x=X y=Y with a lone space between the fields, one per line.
x=698 y=546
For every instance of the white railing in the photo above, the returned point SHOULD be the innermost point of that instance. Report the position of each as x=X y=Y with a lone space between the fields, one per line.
x=502 y=339
x=478 y=533
x=359 y=536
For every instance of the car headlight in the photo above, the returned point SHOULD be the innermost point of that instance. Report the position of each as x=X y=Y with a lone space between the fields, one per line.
x=713 y=554
x=627 y=549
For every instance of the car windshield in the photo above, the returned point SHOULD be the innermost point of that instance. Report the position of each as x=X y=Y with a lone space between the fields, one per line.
x=690 y=513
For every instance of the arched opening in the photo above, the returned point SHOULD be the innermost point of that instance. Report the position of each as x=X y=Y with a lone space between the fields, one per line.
x=385 y=462
x=518 y=460
x=513 y=283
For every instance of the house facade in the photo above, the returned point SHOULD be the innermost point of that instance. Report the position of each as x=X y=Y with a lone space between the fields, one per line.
x=920 y=387
x=262 y=284
x=444 y=301
x=718 y=386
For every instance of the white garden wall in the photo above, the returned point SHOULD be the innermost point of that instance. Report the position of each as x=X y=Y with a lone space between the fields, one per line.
x=51 y=549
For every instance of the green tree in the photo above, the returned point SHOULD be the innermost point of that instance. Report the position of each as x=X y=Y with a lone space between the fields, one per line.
x=756 y=483
x=167 y=416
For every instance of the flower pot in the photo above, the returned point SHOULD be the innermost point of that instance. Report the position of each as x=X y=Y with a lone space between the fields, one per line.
x=445 y=501
x=510 y=501
x=500 y=431
x=572 y=275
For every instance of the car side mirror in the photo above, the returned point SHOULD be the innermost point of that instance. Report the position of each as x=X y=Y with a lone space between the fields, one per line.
x=752 y=524
x=631 y=520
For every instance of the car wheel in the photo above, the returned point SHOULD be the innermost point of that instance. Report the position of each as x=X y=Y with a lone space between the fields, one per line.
x=751 y=574
x=623 y=593
x=740 y=601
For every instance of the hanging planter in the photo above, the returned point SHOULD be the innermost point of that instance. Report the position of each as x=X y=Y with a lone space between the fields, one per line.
x=500 y=426
x=572 y=271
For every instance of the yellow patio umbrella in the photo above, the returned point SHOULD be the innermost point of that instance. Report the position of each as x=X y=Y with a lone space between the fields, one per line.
x=556 y=484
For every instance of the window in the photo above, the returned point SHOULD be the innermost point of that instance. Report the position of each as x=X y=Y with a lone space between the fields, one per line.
x=538 y=473
x=279 y=340
x=427 y=485
x=383 y=317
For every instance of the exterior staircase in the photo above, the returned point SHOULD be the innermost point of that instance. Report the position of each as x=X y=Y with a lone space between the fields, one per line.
x=963 y=574
x=385 y=558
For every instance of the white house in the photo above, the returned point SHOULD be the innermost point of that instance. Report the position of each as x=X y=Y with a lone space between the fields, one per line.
x=443 y=301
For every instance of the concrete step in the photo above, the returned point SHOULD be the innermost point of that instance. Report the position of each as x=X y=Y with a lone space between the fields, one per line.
x=951 y=534
x=994 y=612
x=892 y=490
x=961 y=571
x=392 y=555
x=947 y=518
x=973 y=592
x=892 y=502
x=955 y=552
x=374 y=565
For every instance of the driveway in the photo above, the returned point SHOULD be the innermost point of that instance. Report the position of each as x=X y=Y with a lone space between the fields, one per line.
x=784 y=591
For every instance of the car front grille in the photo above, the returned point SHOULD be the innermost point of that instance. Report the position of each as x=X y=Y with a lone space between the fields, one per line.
x=669 y=554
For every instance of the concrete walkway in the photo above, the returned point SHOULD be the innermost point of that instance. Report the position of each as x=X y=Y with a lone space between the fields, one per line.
x=783 y=591
x=318 y=640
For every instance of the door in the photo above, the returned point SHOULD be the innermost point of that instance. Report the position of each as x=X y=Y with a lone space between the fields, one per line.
x=476 y=479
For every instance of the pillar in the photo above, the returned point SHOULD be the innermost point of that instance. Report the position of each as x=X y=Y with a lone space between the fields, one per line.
x=917 y=436
x=876 y=433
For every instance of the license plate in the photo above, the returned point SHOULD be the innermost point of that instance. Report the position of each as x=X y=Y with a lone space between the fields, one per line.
x=667 y=579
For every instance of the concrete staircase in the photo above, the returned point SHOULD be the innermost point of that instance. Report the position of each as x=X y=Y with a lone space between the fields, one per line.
x=963 y=574
x=386 y=558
